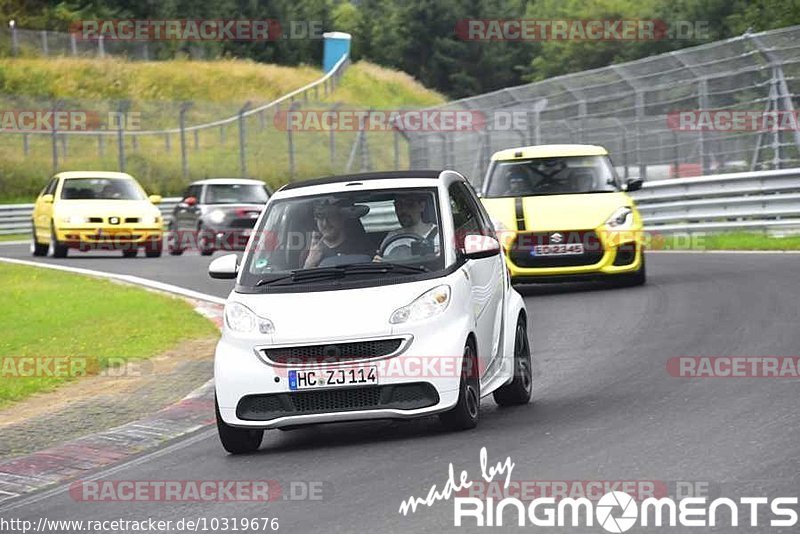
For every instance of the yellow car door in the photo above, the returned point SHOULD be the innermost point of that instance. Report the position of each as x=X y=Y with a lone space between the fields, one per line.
x=43 y=210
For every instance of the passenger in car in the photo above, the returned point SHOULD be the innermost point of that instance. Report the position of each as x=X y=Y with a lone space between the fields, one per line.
x=339 y=232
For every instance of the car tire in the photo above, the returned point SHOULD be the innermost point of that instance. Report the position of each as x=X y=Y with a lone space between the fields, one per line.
x=519 y=390
x=154 y=247
x=37 y=249
x=465 y=414
x=172 y=242
x=203 y=245
x=56 y=249
x=237 y=440
x=130 y=252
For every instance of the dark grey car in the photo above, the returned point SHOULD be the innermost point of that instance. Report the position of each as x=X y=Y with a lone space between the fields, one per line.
x=216 y=214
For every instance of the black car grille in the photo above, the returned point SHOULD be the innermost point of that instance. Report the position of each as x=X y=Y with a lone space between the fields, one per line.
x=243 y=223
x=521 y=251
x=334 y=352
x=626 y=254
x=400 y=397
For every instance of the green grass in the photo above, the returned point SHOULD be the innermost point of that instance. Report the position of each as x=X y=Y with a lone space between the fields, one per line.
x=725 y=241
x=48 y=313
x=218 y=89
x=14 y=237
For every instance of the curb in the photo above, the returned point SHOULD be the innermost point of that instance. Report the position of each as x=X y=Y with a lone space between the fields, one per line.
x=60 y=463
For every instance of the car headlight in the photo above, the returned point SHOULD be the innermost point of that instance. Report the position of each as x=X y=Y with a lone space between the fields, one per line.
x=216 y=216
x=75 y=219
x=430 y=303
x=240 y=318
x=151 y=219
x=621 y=219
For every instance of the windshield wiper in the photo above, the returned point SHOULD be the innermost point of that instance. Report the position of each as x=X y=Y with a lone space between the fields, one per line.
x=340 y=271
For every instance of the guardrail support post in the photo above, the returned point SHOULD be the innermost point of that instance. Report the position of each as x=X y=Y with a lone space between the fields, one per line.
x=101 y=145
x=73 y=44
x=197 y=139
x=702 y=91
x=101 y=51
x=123 y=110
x=14 y=42
x=45 y=49
x=54 y=137
x=167 y=142
x=25 y=147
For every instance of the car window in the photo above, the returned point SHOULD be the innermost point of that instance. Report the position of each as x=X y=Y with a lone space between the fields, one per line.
x=466 y=216
x=50 y=188
x=235 y=194
x=101 y=189
x=397 y=226
x=194 y=191
x=552 y=176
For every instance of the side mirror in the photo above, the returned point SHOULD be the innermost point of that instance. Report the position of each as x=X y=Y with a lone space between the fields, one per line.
x=634 y=185
x=225 y=267
x=480 y=246
x=47 y=199
x=190 y=201
x=154 y=199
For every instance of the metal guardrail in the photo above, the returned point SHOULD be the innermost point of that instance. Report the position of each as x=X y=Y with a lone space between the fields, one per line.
x=15 y=219
x=736 y=201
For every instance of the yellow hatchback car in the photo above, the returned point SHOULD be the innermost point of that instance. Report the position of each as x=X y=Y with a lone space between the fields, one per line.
x=96 y=211
x=563 y=214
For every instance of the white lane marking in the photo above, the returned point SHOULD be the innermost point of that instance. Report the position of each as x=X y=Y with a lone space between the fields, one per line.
x=25 y=242
x=723 y=252
x=136 y=280
x=64 y=487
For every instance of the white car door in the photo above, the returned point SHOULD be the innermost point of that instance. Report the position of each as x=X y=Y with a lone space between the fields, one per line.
x=485 y=275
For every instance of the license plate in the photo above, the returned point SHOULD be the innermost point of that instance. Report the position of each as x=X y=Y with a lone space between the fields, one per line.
x=325 y=378
x=558 y=250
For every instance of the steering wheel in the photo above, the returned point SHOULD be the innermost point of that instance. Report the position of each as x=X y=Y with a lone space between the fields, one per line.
x=387 y=245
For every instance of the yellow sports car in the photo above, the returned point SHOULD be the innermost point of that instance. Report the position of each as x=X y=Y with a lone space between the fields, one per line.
x=562 y=213
x=96 y=210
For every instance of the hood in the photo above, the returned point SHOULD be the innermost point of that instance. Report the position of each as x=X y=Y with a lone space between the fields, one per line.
x=235 y=210
x=325 y=316
x=106 y=208
x=558 y=212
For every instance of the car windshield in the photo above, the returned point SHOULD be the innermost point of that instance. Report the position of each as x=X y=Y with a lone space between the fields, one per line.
x=101 y=189
x=552 y=176
x=235 y=194
x=365 y=234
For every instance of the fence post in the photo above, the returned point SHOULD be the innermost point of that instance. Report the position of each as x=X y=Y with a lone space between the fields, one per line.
x=197 y=140
x=45 y=49
x=54 y=140
x=64 y=146
x=101 y=146
x=222 y=134
x=123 y=109
x=396 y=148
x=25 y=147
x=639 y=103
x=703 y=105
x=167 y=142
x=14 y=43
x=332 y=141
x=290 y=141
x=182 y=125
x=243 y=141
x=101 y=51
x=73 y=44
x=134 y=143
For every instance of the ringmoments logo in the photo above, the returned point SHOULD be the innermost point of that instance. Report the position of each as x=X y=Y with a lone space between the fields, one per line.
x=615 y=511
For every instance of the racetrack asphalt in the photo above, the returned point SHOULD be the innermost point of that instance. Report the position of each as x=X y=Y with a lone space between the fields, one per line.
x=605 y=409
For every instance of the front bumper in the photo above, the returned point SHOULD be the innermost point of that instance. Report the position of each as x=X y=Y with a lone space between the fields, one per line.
x=420 y=380
x=108 y=237
x=610 y=253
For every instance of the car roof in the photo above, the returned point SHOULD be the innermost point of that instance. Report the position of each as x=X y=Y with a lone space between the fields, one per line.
x=360 y=177
x=227 y=181
x=94 y=174
x=548 y=151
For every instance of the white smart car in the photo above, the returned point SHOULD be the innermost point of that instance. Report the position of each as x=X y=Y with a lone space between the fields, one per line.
x=372 y=296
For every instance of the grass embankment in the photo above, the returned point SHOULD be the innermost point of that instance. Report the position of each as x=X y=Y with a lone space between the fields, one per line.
x=218 y=89
x=52 y=314
x=725 y=241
